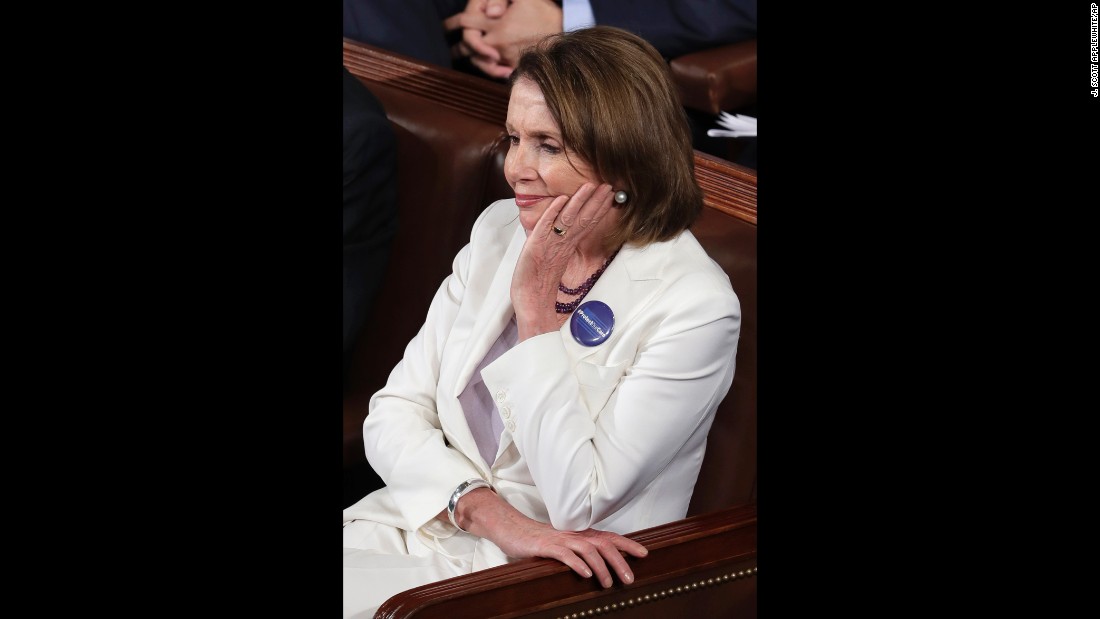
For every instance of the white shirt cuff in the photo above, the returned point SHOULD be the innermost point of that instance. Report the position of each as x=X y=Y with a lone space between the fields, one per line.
x=576 y=14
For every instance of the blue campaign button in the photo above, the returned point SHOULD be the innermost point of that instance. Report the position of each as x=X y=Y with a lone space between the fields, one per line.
x=592 y=323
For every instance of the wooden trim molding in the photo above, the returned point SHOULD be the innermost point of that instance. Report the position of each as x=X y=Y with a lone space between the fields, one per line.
x=693 y=556
x=477 y=97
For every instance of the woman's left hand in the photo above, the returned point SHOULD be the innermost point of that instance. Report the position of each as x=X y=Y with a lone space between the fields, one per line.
x=589 y=552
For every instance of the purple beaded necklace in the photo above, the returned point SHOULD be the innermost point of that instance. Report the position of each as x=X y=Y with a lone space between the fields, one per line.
x=565 y=308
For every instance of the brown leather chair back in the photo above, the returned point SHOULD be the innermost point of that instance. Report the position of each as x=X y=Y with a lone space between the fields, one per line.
x=450 y=162
x=727 y=230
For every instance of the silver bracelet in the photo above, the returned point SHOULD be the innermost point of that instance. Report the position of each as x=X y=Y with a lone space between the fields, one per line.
x=462 y=490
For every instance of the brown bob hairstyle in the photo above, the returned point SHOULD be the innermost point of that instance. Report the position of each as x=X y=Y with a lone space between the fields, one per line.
x=611 y=94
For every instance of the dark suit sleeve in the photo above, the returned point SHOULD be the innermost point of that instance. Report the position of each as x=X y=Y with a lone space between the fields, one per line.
x=678 y=27
x=410 y=27
x=370 y=201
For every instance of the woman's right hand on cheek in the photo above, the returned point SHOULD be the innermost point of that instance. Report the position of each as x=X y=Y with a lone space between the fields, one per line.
x=546 y=254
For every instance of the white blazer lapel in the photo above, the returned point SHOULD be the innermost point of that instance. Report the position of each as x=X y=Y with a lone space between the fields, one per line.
x=625 y=286
x=496 y=313
x=488 y=324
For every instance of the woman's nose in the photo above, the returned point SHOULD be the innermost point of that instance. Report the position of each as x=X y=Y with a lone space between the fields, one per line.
x=519 y=164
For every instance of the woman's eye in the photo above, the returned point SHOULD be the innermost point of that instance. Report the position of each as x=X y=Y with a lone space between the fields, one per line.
x=513 y=140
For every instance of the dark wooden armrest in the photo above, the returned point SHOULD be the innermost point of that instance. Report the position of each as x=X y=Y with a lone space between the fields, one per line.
x=713 y=80
x=703 y=566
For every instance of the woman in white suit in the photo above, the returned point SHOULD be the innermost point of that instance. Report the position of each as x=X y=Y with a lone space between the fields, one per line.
x=561 y=389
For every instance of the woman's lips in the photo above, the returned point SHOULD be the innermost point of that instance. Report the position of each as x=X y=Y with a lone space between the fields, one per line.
x=524 y=200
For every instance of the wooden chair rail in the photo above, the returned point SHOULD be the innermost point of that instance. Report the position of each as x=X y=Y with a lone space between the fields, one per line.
x=697 y=556
x=478 y=97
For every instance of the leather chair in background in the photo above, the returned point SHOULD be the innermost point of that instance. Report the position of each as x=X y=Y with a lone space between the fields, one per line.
x=721 y=79
x=718 y=79
x=702 y=567
x=451 y=147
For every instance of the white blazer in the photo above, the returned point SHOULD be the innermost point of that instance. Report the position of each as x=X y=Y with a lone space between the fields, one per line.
x=608 y=436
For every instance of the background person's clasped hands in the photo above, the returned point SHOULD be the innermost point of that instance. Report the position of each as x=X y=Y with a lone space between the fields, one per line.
x=495 y=32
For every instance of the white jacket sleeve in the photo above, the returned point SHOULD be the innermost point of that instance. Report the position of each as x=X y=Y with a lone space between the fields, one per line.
x=402 y=434
x=589 y=463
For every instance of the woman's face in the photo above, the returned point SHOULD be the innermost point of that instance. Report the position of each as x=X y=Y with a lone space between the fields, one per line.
x=536 y=166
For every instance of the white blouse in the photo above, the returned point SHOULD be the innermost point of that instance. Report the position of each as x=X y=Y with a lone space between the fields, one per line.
x=481 y=412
